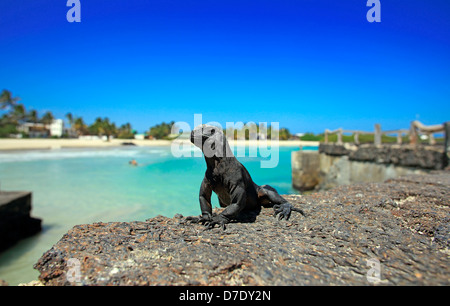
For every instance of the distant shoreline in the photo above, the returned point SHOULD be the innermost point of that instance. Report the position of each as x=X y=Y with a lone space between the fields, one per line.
x=9 y=144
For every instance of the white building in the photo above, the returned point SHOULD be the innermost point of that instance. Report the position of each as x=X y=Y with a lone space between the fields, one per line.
x=56 y=128
x=139 y=136
x=34 y=130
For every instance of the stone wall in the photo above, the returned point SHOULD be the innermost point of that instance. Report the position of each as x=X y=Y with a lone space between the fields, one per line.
x=425 y=157
x=340 y=170
x=335 y=165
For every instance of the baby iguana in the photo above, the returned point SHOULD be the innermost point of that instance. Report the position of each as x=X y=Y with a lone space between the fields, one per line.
x=232 y=183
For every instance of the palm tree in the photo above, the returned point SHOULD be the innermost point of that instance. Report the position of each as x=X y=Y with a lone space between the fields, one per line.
x=71 y=122
x=48 y=118
x=10 y=120
x=69 y=118
x=108 y=128
x=18 y=114
x=33 y=116
x=7 y=100
x=127 y=127
x=125 y=131
x=96 y=127
x=79 y=126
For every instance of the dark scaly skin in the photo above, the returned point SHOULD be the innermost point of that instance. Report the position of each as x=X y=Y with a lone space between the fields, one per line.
x=232 y=183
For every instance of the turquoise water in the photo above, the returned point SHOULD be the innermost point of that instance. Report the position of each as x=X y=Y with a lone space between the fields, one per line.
x=78 y=186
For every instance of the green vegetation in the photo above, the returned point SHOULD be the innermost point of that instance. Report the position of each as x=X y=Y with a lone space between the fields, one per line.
x=283 y=133
x=125 y=131
x=15 y=114
x=77 y=126
x=161 y=131
x=100 y=127
x=363 y=138
x=311 y=137
x=6 y=129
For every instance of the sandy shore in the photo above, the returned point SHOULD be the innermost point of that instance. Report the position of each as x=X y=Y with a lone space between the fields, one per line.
x=35 y=144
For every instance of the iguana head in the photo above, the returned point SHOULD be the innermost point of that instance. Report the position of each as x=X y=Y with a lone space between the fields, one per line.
x=211 y=140
x=202 y=133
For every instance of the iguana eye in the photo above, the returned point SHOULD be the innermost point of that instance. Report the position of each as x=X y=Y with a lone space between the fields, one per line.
x=213 y=131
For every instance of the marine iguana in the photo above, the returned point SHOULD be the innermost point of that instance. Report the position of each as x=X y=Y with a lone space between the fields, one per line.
x=232 y=183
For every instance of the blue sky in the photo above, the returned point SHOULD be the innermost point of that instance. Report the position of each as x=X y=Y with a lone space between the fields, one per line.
x=309 y=65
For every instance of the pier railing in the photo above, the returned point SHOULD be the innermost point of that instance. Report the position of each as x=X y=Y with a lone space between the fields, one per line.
x=416 y=129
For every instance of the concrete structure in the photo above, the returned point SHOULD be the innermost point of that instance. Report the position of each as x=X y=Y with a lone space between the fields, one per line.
x=335 y=165
x=305 y=169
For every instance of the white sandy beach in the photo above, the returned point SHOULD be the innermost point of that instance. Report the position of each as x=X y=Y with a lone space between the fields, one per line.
x=42 y=144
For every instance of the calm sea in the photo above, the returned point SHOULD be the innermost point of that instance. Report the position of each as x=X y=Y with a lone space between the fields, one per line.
x=78 y=186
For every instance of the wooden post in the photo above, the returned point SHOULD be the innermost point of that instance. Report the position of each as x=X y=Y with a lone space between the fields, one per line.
x=431 y=139
x=377 y=137
x=326 y=136
x=339 y=137
x=356 y=138
x=447 y=142
x=399 y=137
x=412 y=134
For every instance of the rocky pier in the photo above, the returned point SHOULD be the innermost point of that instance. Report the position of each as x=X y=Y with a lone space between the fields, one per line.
x=333 y=165
x=390 y=233
x=15 y=220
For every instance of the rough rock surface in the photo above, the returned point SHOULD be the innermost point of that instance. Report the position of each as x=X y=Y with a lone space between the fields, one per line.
x=402 y=223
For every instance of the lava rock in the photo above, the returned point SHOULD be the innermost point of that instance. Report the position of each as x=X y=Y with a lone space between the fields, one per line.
x=400 y=227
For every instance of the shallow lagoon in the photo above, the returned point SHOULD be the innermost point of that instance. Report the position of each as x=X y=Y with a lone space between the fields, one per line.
x=78 y=186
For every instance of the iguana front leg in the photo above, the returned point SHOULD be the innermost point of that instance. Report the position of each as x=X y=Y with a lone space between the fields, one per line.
x=205 y=204
x=238 y=200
